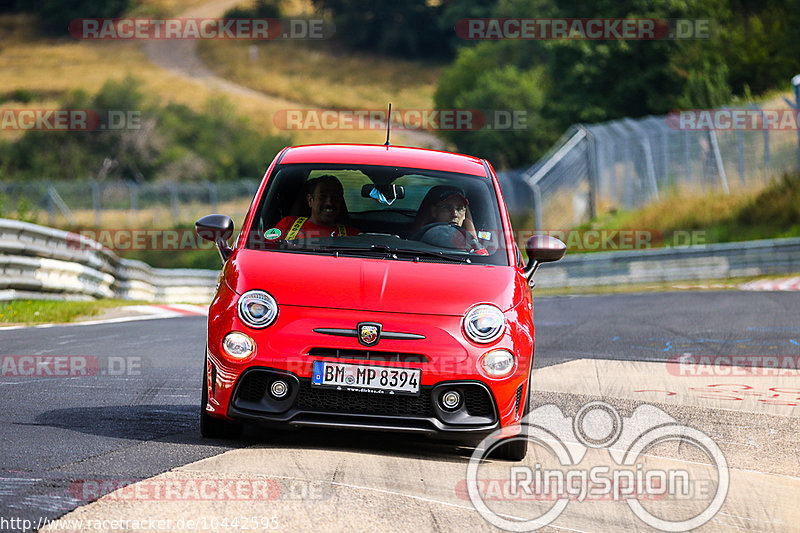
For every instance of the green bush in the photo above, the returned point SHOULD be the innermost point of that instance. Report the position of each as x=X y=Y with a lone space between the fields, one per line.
x=172 y=143
x=56 y=15
x=261 y=9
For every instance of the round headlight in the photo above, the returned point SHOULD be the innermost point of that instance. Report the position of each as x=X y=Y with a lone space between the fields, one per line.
x=257 y=309
x=484 y=323
x=497 y=363
x=238 y=345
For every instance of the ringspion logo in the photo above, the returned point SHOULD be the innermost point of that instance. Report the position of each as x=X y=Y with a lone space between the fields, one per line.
x=597 y=455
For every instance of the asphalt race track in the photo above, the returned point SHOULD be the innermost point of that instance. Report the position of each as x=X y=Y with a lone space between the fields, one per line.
x=67 y=440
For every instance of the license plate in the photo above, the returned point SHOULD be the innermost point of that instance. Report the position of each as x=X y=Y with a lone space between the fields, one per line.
x=366 y=378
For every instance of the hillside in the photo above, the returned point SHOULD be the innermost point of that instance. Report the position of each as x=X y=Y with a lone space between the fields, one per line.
x=39 y=71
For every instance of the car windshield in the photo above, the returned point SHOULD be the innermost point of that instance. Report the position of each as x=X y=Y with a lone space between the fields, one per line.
x=378 y=211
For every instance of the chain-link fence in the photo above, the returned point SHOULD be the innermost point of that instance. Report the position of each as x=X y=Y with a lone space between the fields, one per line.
x=628 y=163
x=116 y=204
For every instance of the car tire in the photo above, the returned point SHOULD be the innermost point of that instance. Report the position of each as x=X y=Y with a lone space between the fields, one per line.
x=215 y=428
x=515 y=448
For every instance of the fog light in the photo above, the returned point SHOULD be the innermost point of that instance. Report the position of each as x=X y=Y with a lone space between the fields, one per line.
x=451 y=400
x=279 y=389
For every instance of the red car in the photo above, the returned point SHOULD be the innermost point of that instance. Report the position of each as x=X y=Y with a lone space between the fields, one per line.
x=373 y=287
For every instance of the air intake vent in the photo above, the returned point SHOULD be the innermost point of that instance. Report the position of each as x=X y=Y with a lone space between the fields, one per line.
x=368 y=355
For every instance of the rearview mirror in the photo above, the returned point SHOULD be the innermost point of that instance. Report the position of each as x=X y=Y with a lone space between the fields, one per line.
x=542 y=249
x=217 y=229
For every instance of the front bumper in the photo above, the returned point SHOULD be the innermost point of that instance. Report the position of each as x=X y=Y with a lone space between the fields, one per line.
x=310 y=406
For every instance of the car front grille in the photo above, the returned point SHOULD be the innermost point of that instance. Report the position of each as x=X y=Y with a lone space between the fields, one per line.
x=253 y=387
x=364 y=403
x=368 y=355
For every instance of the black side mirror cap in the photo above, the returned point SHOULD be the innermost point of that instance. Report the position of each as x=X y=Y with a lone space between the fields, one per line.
x=542 y=249
x=217 y=229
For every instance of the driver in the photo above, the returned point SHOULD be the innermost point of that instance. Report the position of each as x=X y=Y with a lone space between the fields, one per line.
x=326 y=199
x=451 y=207
x=448 y=205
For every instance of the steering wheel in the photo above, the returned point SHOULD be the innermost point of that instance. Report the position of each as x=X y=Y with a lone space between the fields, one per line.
x=447 y=235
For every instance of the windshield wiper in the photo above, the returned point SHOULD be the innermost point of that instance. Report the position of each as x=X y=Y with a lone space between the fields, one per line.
x=393 y=252
x=390 y=252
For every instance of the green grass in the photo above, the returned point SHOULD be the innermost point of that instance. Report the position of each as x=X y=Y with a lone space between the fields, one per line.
x=773 y=212
x=724 y=284
x=54 y=311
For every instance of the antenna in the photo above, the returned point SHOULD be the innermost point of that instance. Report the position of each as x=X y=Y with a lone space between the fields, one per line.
x=388 y=126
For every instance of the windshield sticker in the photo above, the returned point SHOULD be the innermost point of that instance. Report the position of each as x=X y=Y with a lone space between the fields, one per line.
x=485 y=235
x=272 y=234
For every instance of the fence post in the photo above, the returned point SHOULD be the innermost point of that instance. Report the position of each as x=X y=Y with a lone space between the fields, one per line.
x=51 y=208
x=175 y=204
x=537 y=207
x=740 y=149
x=687 y=160
x=723 y=177
x=96 y=202
x=766 y=141
x=591 y=170
x=213 y=196
x=133 y=191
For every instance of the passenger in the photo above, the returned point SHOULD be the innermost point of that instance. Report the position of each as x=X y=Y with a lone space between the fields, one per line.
x=328 y=217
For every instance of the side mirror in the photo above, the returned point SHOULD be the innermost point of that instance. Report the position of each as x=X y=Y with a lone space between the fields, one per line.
x=217 y=229
x=542 y=249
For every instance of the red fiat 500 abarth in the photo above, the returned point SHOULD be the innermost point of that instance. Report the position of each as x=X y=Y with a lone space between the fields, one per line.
x=373 y=287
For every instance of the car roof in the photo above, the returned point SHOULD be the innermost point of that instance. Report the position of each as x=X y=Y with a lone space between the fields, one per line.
x=374 y=154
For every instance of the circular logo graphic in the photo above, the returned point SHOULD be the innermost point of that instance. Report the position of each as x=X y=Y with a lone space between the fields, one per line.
x=567 y=440
x=597 y=425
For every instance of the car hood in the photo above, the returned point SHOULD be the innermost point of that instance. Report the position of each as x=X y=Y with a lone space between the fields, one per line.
x=386 y=285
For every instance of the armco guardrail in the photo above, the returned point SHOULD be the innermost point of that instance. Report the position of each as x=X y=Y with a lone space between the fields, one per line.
x=712 y=261
x=41 y=262
x=36 y=261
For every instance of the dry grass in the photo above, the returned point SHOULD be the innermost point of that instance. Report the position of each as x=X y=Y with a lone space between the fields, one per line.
x=51 y=67
x=314 y=73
